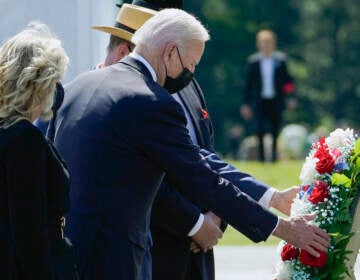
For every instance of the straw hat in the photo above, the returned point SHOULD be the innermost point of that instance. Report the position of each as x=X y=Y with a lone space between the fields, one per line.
x=155 y=4
x=129 y=19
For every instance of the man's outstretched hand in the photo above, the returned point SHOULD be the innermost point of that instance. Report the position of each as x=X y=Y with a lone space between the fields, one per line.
x=282 y=200
x=301 y=233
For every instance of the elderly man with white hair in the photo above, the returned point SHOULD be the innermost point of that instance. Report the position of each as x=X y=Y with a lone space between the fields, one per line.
x=120 y=131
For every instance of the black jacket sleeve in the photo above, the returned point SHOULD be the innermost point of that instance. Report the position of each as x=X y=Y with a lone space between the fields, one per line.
x=25 y=177
x=249 y=83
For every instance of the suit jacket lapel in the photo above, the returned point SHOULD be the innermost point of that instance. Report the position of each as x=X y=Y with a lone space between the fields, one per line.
x=193 y=107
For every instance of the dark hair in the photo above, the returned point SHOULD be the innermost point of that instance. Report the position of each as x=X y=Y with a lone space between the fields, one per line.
x=114 y=42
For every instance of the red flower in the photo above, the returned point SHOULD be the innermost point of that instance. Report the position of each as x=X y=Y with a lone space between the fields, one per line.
x=325 y=164
x=289 y=252
x=326 y=161
x=336 y=153
x=307 y=259
x=319 y=193
x=305 y=188
x=288 y=88
x=205 y=114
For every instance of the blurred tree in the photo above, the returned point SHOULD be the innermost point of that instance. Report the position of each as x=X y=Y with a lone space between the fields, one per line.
x=320 y=37
x=329 y=60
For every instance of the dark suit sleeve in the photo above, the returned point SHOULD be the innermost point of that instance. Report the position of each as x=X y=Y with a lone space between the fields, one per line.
x=246 y=183
x=249 y=83
x=288 y=78
x=25 y=175
x=287 y=82
x=173 y=213
x=162 y=136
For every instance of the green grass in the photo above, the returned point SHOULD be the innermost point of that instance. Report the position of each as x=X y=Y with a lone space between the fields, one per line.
x=280 y=175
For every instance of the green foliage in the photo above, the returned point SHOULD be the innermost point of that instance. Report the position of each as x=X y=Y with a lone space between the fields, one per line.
x=319 y=38
x=335 y=264
x=356 y=161
x=327 y=39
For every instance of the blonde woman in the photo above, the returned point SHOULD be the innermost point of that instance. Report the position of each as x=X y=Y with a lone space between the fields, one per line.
x=33 y=179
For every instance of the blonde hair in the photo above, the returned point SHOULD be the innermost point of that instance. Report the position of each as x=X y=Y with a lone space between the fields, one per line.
x=31 y=63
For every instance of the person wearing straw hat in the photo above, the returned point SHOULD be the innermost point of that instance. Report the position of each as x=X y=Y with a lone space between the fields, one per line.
x=128 y=20
x=155 y=4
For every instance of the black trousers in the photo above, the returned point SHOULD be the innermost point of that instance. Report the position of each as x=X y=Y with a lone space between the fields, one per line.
x=268 y=119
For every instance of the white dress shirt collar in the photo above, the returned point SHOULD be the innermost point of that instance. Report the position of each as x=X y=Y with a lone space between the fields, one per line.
x=146 y=63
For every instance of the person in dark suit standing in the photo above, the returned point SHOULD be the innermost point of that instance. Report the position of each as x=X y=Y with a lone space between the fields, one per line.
x=170 y=208
x=121 y=131
x=34 y=183
x=173 y=216
x=267 y=85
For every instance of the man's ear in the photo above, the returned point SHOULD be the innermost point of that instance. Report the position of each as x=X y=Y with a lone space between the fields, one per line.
x=122 y=50
x=168 y=52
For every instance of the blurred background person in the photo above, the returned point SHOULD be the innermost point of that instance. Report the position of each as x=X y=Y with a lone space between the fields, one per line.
x=267 y=85
x=34 y=182
x=235 y=135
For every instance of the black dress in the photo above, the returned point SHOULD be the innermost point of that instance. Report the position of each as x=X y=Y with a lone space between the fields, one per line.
x=34 y=195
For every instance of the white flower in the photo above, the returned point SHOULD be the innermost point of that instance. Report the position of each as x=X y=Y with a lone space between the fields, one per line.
x=300 y=207
x=282 y=271
x=308 y=171
x=339 y=137
x=280 y=246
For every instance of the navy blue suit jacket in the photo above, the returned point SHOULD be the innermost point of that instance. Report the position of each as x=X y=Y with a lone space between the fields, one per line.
x=173 y=215
x=120 y=132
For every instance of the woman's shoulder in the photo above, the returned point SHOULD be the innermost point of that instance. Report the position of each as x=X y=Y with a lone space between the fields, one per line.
x=21 y=131
x=25 y=127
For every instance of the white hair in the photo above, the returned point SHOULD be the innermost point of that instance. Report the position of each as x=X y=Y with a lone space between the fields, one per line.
x=31 y=63
x=170 y=25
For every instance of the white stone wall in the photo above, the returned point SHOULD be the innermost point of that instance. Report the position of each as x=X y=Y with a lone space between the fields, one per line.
x=70 y=20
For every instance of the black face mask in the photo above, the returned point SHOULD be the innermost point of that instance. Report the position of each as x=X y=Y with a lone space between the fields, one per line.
x=176 y=84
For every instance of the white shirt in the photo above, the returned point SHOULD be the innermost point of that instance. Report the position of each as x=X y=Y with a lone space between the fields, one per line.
x=264 y=200
x=267 y=77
